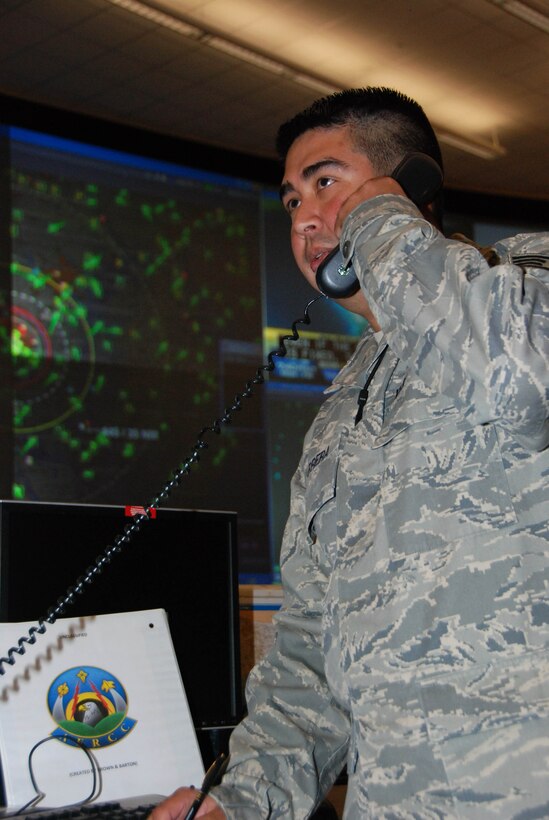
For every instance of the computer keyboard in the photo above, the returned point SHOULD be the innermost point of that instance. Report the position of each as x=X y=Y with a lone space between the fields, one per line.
x=136 y=808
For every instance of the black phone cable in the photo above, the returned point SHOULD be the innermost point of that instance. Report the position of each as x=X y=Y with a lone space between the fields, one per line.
x=132 y=528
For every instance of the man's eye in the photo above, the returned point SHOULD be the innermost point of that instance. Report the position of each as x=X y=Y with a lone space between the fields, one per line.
x=291 y=205
x=324 y=182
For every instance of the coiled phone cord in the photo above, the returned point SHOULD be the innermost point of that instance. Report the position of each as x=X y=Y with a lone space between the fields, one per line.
x=131 y=529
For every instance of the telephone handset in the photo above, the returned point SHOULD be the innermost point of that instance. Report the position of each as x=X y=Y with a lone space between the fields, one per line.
x=420 y=177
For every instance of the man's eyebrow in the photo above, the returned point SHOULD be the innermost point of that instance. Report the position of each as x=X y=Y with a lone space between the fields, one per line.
x=311 y=170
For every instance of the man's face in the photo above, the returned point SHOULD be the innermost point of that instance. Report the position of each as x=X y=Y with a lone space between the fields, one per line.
x=322 y=169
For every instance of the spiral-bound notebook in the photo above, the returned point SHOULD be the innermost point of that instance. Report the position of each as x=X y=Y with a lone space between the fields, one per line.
x=96 y=707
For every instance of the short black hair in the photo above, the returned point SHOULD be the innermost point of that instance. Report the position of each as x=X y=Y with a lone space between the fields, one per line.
x=385 y=124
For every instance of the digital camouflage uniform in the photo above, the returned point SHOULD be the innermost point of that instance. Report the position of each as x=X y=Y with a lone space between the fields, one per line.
x=413 y=640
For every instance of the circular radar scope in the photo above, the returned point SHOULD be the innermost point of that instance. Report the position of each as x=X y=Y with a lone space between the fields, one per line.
x=52 y=348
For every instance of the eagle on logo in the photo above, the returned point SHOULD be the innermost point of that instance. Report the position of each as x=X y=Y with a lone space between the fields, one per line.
x=90 y=707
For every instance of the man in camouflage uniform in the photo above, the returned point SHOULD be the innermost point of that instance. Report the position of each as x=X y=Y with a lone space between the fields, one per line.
x=413 y=640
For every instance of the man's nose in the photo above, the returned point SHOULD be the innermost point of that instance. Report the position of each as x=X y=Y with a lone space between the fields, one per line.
x=307 y=219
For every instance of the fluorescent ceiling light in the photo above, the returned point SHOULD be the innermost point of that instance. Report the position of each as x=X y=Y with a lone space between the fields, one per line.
x=246 y=54
x=526 y=11
x=484 y=150
x=160 y=17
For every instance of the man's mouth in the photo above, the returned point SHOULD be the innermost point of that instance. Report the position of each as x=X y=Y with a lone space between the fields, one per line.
x=317 y=258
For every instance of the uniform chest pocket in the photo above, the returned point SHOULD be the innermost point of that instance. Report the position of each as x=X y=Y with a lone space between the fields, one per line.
x=440 y=485
x=321 y=476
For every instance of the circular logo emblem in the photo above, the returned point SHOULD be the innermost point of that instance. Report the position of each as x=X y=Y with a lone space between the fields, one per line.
x=90 y=707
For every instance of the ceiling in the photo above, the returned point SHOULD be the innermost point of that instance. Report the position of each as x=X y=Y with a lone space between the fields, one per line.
x=479 y=71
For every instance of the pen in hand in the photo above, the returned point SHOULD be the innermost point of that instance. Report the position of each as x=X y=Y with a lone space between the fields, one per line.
x=211 y=778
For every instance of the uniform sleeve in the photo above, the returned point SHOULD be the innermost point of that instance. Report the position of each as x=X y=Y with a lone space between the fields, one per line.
x=477 y=333
x=290 y=748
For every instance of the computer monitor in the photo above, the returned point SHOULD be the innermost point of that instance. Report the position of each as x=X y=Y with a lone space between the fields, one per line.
x=183 y=561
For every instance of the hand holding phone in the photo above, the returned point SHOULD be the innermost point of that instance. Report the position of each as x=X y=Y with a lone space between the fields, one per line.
x=420 y=177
